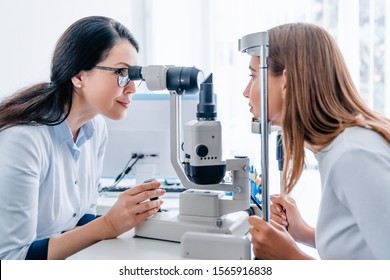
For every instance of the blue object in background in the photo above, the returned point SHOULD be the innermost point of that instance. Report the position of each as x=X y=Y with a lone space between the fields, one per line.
x=258 y=196
x=256 y=187
x=252 y=182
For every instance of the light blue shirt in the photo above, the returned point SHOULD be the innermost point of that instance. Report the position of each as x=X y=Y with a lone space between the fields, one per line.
x=47 y=182
x=353 y=220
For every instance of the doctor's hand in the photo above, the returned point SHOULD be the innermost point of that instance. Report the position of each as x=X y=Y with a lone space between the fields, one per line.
x=284 y=211
x=271 y=241
x=132 y=207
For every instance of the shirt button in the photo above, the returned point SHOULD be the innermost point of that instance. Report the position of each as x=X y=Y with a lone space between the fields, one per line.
x=75 y=182
x=74 y=215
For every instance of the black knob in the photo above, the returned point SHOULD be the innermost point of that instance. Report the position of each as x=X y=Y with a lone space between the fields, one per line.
x=202 y=150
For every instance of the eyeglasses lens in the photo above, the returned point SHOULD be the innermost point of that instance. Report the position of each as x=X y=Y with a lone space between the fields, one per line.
x=123 y=79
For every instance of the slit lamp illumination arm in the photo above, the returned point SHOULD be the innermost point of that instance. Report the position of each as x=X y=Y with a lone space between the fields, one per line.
x=179 y=81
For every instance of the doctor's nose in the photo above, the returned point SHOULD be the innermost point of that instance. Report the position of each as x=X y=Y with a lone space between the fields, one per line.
x=130 y=88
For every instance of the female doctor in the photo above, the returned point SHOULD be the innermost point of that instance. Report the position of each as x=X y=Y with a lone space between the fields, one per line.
x=312 y=97
x=52 y=146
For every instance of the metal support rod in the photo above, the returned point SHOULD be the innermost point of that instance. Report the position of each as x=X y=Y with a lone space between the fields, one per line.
x=263 y=71
x=280 y=157
x=175 y=139
x=175 y=142
x=256 y=44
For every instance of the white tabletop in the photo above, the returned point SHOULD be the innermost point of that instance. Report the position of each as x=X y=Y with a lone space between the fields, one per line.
x=128 y=247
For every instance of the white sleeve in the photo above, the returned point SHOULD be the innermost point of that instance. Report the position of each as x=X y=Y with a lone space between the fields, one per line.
x=20 y=164
x=365 y=180
x=102 y=136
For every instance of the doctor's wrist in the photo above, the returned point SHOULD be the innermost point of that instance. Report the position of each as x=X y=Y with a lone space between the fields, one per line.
x=106 y=229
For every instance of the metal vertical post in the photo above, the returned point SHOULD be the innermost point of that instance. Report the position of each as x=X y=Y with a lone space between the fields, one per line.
x=263 y=72
x=280 y=157
x=256 y=44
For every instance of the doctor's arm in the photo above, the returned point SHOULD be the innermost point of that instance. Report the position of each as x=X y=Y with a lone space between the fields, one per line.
x=21 y=170
x=133 y=206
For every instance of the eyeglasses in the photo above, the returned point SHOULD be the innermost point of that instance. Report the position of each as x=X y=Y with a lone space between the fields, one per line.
x=122 y=73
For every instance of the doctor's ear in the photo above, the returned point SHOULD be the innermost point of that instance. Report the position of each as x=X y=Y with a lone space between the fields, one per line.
x=77 y=80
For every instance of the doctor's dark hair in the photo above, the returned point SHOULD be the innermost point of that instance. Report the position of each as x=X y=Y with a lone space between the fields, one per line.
x=320 y=100
x=83 y=45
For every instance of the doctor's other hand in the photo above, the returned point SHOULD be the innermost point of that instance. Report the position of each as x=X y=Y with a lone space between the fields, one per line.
x=284 y=211
x=271 y=241
x=132 y=207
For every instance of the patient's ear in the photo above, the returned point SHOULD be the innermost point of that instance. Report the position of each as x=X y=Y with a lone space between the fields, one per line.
x=284 y=83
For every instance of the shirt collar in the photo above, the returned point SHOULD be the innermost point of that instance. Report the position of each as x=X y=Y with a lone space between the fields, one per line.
x=85 y=133
x=65 y=136
x=62 y=132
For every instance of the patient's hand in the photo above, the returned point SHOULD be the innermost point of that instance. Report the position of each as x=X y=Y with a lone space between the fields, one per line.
x=284 y=211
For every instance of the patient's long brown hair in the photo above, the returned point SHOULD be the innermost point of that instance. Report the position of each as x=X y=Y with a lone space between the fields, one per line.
x=321 y=99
